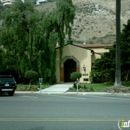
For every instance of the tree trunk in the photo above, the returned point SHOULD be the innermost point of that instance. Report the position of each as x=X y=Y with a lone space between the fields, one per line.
x=118 y=45
x=29 y=84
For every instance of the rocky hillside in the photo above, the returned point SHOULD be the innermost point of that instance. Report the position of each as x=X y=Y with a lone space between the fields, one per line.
x=95 y=19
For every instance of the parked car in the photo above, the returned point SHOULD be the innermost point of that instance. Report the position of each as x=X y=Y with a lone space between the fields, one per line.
x=8 y=84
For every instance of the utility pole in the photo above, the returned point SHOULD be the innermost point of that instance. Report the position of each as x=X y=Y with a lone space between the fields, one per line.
x=118 y=45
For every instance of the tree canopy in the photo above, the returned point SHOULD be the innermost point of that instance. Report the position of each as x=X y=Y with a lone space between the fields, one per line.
x=105 y=67
x=29 y=37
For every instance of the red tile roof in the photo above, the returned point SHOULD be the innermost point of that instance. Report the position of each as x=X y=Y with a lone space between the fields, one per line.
x=89 y=46
x=94 y=45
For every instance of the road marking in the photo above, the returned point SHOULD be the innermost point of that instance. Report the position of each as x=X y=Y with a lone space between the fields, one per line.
x=116 y=98
x=88 y=96
x=70 y=97
x=62 y=119
x=28 y=96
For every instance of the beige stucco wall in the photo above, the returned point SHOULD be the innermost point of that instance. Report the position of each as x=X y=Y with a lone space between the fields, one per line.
x=80 y=54
x=100 y=51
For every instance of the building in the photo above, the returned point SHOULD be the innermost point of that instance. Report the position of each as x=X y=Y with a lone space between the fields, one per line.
x=80 y=58
x=9 y=2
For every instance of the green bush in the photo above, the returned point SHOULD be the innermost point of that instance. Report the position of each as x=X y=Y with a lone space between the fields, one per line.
x=31 y=75
x=85 y=86
x=75 y=75
x=75 y=86
x=95 y=76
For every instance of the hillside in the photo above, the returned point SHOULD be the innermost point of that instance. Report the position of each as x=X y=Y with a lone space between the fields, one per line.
x=95 y=19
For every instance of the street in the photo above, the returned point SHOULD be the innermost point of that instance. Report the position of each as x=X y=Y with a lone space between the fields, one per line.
x=62 y=112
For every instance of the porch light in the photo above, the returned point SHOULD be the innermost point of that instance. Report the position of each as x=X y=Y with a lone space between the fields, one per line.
x=84 y=68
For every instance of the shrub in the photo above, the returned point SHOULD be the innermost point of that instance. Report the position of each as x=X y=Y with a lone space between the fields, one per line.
x=95 y=76
x=31 y=75
x=75 y=75
x=75 y=86
x=85 y=86
x=91 y=89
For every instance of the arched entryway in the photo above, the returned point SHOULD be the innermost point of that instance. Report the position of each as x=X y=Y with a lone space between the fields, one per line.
x=69 y=64
x=69 y=67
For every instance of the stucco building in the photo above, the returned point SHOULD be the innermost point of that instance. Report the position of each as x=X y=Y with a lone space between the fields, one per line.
x=78 y=57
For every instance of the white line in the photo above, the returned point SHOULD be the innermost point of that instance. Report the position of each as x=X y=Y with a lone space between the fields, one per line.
x=112 y=98
x=62 y=119
x=69 y=97
x=28 y=96
x=93 y=96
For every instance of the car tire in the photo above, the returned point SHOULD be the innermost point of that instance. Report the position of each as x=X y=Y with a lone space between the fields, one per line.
x=11 y=93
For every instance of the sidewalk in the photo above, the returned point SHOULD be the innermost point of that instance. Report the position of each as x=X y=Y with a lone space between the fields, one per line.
x=56 y=89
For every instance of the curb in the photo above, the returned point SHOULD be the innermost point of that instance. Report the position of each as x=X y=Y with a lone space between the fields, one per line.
x=73 y=93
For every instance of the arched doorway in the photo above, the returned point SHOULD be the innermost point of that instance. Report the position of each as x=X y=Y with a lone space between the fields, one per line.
x=69 y=67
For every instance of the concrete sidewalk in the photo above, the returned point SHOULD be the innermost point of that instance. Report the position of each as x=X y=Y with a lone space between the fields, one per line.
x=55 y=89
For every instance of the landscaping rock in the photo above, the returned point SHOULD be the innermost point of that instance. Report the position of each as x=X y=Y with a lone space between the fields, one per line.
x=115 y=89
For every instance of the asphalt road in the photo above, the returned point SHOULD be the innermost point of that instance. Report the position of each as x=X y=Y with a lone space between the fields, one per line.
x=62 y=112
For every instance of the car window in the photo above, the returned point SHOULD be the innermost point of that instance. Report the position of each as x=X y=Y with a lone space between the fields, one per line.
x=6 y=80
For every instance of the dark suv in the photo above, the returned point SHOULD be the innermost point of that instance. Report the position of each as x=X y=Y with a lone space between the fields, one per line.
x=7 y=84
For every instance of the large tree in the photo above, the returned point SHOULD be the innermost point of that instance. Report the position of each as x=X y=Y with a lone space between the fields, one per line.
x=18 y=24
x=30 y=36
x=125 y=50
x=106 y=65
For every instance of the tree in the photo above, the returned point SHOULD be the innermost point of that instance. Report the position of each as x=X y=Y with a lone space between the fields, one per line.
x=30 y=36
x=125 y=51
x=1 y=9
x=17 y=27
x=106 y=64
x=104 y=67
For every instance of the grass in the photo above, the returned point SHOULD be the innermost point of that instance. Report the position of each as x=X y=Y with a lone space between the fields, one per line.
x=94 y=87
x=22 y=87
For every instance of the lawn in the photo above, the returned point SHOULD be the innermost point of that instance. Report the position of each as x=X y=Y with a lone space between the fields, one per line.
x=94 y=87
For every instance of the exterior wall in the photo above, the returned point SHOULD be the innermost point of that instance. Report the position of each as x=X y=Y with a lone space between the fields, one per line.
x=80 y=54
x=82 y=57
x=98 y=50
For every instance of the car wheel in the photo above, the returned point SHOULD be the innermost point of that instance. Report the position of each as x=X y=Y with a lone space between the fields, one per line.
x=11 y=93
